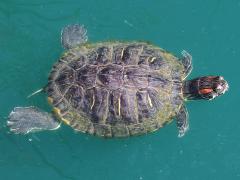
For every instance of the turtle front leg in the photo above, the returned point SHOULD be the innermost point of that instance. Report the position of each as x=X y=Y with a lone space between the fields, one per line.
x=23 y=120
x=187 y=62
x=73 y=36
x=182 y=121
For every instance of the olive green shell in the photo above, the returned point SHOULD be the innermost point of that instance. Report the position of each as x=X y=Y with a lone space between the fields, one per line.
x=116 y=89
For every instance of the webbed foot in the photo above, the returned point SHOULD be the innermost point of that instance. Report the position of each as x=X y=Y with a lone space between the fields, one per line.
x=23 y=120
x=73 y=35
x=187 y=62
x=182 y=121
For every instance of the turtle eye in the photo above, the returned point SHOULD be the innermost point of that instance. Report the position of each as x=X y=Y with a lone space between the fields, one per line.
x=221 y=78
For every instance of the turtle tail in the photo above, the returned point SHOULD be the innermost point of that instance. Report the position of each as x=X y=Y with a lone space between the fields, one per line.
x=43 y=89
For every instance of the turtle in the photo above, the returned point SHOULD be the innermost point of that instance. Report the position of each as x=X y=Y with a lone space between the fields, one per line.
x=116 y=89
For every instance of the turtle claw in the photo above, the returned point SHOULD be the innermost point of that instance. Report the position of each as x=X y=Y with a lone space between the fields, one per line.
x=16 y=128
x=181 y=132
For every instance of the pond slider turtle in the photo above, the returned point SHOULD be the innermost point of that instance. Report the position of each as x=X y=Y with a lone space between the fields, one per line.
x=116 y=89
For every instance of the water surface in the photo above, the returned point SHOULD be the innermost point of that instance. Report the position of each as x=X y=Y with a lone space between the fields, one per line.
x=30 y=44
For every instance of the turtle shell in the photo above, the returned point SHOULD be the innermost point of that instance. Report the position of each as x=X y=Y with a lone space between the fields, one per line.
x=116 y=89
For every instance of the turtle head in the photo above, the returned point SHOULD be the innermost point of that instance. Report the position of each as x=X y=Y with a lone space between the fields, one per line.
x=207 y=87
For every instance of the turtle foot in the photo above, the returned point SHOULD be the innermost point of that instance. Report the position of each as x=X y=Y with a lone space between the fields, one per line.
x=23 y=120
x=73 y=35
x=187 y=62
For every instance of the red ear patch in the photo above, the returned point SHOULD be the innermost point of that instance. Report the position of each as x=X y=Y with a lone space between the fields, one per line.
x=205 y=91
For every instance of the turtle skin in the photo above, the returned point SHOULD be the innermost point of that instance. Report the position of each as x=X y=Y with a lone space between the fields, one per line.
x=116 y=89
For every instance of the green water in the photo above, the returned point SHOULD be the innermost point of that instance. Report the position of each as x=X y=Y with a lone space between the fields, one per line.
x=30 y=44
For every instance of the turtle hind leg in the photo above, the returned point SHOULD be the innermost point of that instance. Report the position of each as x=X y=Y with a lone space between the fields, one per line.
x=187 y=62
x=23 y=120
x=182 y=121
x=73 y=35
